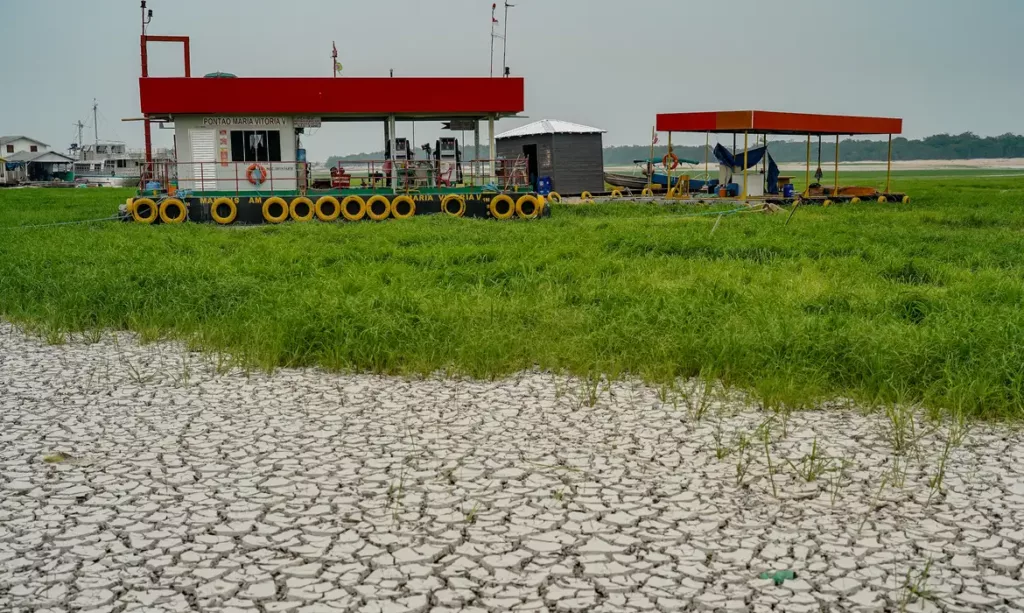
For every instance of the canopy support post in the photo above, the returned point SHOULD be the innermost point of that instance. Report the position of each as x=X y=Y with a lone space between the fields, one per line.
x=650 y=161
x=476 y=147
x=707 y=145
x=835 y=190
x=745 y=135
x=888 y=167
x=490 y=137
x=668 y=169
x=807 y=177
x=394 y=156
x=764 y=165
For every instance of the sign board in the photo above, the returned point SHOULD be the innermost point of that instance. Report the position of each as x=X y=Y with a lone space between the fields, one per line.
x=243 y=122
x=457 y=125
x=306 y=122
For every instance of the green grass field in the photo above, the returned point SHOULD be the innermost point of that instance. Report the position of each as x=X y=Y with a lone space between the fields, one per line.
x=878 y=303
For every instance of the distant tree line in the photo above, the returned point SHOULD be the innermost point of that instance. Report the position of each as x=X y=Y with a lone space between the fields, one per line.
x=938 y=147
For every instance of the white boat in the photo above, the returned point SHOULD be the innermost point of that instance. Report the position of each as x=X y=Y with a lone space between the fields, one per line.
x=111 y=163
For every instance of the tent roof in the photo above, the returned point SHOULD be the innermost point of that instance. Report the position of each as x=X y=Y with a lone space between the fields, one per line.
x=549 y=126
x=770 y=122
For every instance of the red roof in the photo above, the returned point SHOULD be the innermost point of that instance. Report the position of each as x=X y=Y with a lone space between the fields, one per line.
x=769 y=122
x=342 y=97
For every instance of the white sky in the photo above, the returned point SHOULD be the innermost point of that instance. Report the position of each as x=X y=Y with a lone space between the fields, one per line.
x=942 y=65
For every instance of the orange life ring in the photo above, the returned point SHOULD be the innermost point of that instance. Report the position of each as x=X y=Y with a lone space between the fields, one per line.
x=252 y=169
x=670 y=156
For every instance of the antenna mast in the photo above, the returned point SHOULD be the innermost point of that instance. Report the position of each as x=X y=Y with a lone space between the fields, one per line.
x=494 y=34
x=95 y=124
x=504 y=42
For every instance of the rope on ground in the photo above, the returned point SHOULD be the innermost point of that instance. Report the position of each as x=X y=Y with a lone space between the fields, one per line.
x=61 y=223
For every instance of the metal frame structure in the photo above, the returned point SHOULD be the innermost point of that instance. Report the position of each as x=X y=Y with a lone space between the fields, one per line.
x=777 y=123
x=144 y=40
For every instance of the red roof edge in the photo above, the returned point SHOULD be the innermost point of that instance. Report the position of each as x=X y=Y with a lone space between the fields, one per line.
x=771 y=122
x=327 y=96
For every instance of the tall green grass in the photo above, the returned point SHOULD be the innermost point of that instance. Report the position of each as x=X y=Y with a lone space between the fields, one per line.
x=875 y=302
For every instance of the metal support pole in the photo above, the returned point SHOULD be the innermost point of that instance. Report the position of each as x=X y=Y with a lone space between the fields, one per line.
x=394 y=157
x=745 y=134
x=707 y=146
x=490 y=138
x=764 y=167
x=888 y=167
x=807 y=179
x=668 y=169
x=835 y=190
x=476 y=147
x=650 y=161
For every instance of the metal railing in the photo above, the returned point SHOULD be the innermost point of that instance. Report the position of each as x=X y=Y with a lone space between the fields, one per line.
x=398 y=175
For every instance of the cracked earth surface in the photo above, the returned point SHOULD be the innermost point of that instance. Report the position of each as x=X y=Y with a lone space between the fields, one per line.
x=137 y=478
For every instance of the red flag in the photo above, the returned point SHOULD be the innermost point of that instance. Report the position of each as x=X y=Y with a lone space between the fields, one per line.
x=655 y=141
x=494 y=20
x=334 y=50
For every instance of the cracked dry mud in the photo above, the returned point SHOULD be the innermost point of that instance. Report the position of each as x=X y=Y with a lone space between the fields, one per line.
x=164 y=486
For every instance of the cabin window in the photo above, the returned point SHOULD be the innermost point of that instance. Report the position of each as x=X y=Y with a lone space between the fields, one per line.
x=255 y=146
x=10 y=148
x=33 y=148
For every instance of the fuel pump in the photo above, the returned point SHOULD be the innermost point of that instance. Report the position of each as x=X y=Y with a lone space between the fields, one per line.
x=448 y=157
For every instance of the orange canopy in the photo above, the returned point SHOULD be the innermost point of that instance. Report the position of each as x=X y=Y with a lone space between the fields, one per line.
x=770 y=122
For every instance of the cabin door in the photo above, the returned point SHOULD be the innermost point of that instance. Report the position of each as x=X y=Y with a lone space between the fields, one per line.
x=204 y=159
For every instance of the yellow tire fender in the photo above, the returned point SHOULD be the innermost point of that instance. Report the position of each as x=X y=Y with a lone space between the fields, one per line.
x=855 y=200
x=528 y=206
x=882 y=200
x=827 y=203
x=460 y=202
x=403 y=207
x=269 y=204
x=906 y=200
x=301 y=209
x=327 y=208
x=374 y=210
x=216 y=210
x=144 y=210
x=173 y=210
x=646 y=192
x=587 y=197
x=502 y=206
x=355 y=202
x=554 y=197
x=616 y=193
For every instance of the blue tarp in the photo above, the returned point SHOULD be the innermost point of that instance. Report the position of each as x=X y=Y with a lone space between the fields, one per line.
x=754 y=156
x=13 y=165
x=725 y=156
x=661 y=179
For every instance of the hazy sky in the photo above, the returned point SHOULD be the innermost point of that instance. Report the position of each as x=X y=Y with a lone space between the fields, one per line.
x=942 y=65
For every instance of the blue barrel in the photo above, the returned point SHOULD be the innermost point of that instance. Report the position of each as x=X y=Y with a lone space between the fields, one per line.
x=300 y=155
x=544 y=186
x=788 y=190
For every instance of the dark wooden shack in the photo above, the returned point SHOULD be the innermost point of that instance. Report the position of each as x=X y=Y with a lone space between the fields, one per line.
x=570 y=153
